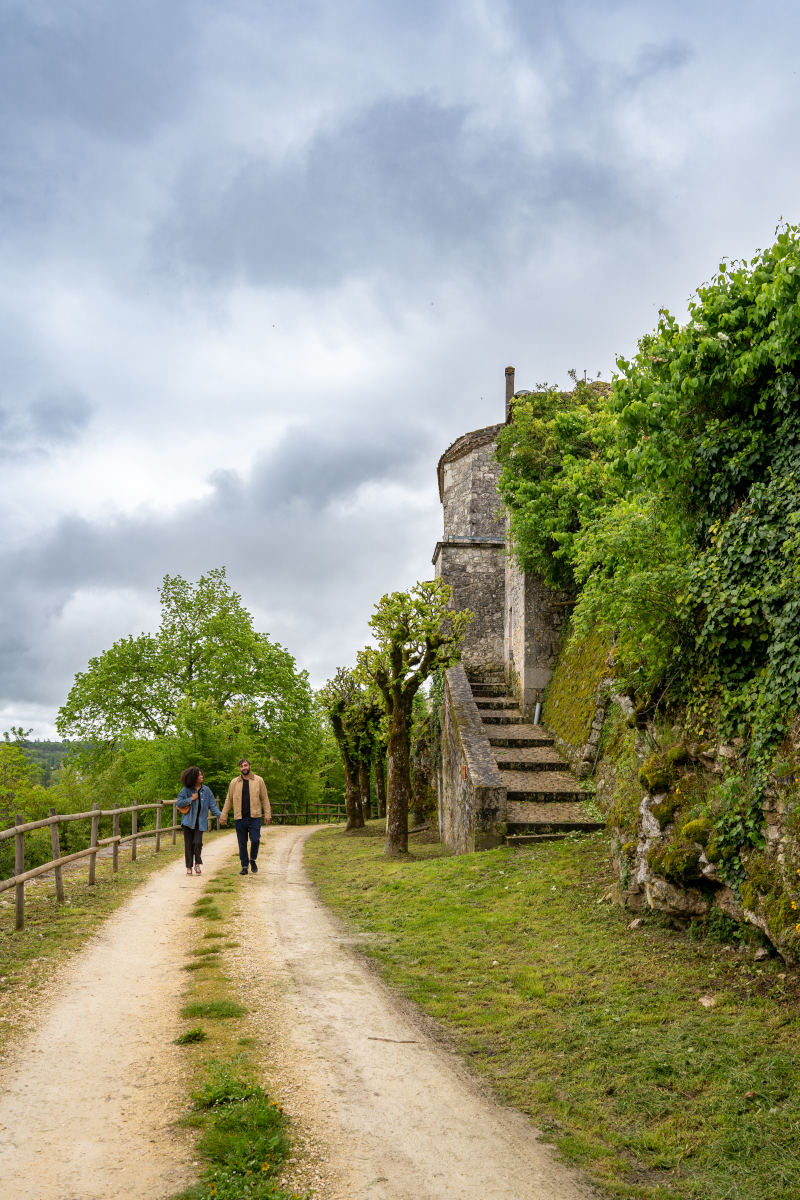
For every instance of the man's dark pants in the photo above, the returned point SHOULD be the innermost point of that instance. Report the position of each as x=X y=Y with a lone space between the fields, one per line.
x=248 y=827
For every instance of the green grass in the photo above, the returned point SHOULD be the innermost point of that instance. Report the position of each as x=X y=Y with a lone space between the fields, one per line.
x=191 y=1036
x=244 y=1137
x=218 y=1009
x=595 y=1030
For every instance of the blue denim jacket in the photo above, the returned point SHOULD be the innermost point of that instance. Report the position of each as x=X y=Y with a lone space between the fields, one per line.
x=207 y=805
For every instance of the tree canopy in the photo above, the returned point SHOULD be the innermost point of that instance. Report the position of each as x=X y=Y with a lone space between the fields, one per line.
x=669 y=505
x=206 y=687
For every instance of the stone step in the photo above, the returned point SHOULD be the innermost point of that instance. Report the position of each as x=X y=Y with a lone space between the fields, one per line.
x=520 y=735
x=501 y=716
x=488 y=689
x=495 y=702
x=528 y=839
x=541 y=786
x=529 y=758
x=557 y=815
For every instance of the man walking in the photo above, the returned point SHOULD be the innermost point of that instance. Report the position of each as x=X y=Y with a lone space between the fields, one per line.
x=248 y=795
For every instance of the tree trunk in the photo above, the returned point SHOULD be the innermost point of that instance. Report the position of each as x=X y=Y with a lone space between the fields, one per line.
x=398 y=791
x=352 y=799
x=363 y=787
x=380 y=777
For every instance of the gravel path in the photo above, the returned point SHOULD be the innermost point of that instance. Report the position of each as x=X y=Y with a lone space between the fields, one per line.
x=88 y=1101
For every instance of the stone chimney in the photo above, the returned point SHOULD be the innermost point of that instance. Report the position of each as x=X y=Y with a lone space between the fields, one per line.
x=509 y=391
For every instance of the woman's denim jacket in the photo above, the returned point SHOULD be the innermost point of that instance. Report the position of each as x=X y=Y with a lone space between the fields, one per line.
x=205 y=800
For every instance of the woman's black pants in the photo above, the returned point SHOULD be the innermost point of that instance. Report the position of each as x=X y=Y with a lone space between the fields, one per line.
x=193 y=846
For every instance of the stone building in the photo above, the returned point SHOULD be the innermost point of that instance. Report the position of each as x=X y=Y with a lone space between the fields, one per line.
x=508 y=655
x=515 y=633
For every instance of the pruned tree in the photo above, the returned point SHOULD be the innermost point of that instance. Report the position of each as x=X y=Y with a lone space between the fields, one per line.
x=355 y=716
x=415 y=632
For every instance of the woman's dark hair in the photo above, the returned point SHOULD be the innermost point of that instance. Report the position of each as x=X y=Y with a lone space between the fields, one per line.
x=190 y=776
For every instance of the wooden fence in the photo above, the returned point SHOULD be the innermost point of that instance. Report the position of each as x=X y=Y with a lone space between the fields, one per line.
x=313 y=814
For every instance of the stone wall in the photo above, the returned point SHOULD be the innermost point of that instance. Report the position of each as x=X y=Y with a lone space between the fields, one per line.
x=472 y=797
x=468 y=475
x=476 y=573
x=534 y=617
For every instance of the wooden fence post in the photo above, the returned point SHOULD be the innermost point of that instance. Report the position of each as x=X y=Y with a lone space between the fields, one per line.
x=55 y=845
x=93 y=841
x=174 y=821
x=19 y=867
x=306 y=820
x=115 y=845
x=134 y=830
x=158 y=828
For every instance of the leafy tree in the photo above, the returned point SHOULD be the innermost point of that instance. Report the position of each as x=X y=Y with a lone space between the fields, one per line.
x=18 y=777
x=205 y=688
x=554 y=478
x=415 y=632
x=205 y=651
x=355 y=717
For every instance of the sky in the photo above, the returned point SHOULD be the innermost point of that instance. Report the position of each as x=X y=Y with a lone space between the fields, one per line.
x=261 y=261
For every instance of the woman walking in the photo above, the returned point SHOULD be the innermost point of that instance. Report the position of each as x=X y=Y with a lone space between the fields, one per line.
x=195 y=801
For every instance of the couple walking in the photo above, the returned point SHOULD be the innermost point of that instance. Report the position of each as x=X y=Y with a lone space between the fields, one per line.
x=247 y=794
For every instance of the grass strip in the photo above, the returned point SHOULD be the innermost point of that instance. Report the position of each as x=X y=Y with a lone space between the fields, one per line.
x=217 y=1009
x=665 y=1068
x=244 y=1137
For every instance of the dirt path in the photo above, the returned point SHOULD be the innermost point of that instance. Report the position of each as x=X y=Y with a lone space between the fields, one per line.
x=88 y=1102
x=401 y=1119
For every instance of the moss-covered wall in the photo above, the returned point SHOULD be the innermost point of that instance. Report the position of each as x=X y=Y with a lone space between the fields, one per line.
x=570 y=705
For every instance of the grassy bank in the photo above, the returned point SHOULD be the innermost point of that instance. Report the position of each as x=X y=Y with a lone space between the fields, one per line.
x=53 y=931
x=665 y=1068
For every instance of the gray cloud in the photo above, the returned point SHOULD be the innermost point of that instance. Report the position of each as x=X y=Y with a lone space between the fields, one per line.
x=292 y=521
x=405 y=184
x=114 y=68
x=55 y=418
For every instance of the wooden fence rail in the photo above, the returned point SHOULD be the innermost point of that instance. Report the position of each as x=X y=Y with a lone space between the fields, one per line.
x=312 y=814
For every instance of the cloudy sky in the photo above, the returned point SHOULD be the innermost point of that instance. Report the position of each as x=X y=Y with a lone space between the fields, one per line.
x=262 y=260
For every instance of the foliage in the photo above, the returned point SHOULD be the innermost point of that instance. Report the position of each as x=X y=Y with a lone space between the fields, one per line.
x=553 y=476
x=206 y=688
x=355 y=717
x=671 y=506
x=18 y=781
x=416 y=633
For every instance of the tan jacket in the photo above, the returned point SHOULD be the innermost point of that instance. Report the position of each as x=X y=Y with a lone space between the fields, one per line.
x=259 y=800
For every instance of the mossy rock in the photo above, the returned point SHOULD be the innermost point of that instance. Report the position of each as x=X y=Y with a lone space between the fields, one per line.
x=713 y=853
x=664 y=811
x=677 y=861
x=676 y=756
x=656 y=775
x=698 y=830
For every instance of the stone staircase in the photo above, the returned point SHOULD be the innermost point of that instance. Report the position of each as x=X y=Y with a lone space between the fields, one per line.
x=544 y=800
